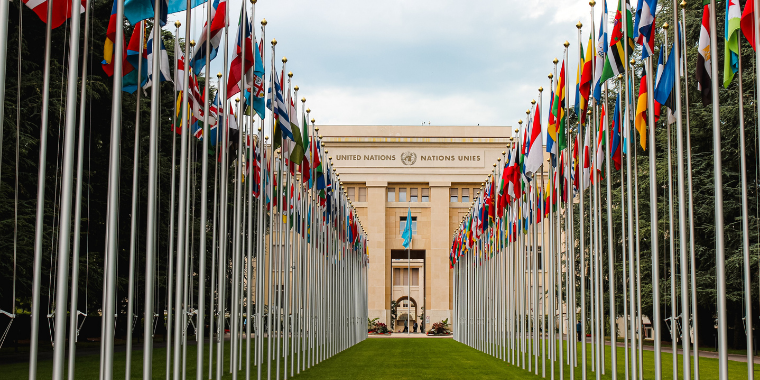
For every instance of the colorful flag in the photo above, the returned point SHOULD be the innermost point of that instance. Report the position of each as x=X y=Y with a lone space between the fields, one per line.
x=748 y=22
x=296 y=147
x=641 y=111
x=644 y=27
x=731 y=44
x=615 y=137
x=601 y=53
x=130 y=81
x=704 y=61
x=666 y=80
x=138 y=10
x=535 y=157
x=600 y=141
x=586 y=78
x=60 y=13
x=164 y=70
x=108 y=48
x=217 y=24
x=244 y=36
x=615 y=63
x=558 y=110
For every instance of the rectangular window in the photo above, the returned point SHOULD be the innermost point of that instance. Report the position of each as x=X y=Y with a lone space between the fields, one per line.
x=362 y=194
x=402 y=194
x=465 y=195
x=391 y=194
x=425 y=195
x=396 y=276
x=402 y=225
x=540 y=259
x=413 y=194
x=416 y=277
x=351 y=193
x=454 y=192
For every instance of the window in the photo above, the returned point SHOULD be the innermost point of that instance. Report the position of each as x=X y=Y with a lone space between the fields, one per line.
x=362 y=194
x=391 y=194
x=402 y=225
x=413 y=194
x=351 y=193
x=465 y=195
x=454 y=192
x=401 y=278
x=425 y=195
x=402 y=194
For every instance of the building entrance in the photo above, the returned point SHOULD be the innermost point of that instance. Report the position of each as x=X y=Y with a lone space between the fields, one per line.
x=408 y=298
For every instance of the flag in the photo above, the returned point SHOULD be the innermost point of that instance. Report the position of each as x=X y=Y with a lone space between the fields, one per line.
x=214 y=26
x=108 y=48
x=644 y=27
x=279 y=109
x=551 y=146
x=704 y=61
x=666 y=80
x=601 y=141
x=164 y=70
x=748 y=22
x=586 y=78
x=641 y=111
x=614 y=63
x=615 y=137
x=60 y=13
x=601 y=53
x=297 y=147
x=257 y=86
x=731 y=45
x=306 y=163
x=587 y=156
x=578 y=74
x=138 y=10
x=557 y=131
x=535 y=157
x=576 y=162
x=240 y=63
x=131 y=81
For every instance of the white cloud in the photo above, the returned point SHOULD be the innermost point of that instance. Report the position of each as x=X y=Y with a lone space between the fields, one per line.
x=405 y=62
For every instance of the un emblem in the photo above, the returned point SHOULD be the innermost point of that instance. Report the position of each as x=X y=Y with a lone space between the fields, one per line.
x=408 y=158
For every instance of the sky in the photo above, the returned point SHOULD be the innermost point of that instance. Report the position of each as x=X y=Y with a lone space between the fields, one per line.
x=408 y=62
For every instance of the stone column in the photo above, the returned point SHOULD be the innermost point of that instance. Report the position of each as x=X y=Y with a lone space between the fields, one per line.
x=438 y=256
x=378 y=300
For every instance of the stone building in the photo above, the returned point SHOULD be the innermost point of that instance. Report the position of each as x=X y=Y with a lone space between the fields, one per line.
x=433 y=171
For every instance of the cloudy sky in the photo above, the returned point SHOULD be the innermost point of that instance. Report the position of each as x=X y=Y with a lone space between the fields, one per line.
x=408 y=62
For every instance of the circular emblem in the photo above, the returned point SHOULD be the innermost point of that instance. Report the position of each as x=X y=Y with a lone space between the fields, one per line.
x=408 y=158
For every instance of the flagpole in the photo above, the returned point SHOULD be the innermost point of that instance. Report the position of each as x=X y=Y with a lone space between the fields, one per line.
x=581 y=192
x=691 y=208
x=178 y=304
x=629 y=187
x=261 y=241
x=133 y=222
x=654 y=220
x=745 y=232
x=74 y=311
x=42 y=164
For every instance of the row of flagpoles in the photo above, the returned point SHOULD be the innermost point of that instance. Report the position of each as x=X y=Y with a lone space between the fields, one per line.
x=288 y=254
x=520 y=254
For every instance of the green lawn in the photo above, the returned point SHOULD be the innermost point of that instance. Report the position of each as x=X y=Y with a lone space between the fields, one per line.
x=385 y=358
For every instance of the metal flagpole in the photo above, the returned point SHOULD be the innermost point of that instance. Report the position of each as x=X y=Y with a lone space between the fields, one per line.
x=178 y=304
x=720 y=264
x=745 y=239
x=170 y=277
x=74 y=311
x=41 y=173
x=213 y=288
x=581 y=192
x=67 y=184
x=685 y=317
x=111 y=251
x=133 y=223
x=629 y=184
x=654 y=220
x=151 y=228
x=201 y=312
x=691 y=212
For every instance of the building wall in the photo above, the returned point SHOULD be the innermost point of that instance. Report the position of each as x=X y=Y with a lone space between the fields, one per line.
x=436 y=158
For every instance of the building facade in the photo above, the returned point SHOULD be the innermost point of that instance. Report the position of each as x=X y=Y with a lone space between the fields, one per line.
x=432 y=172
